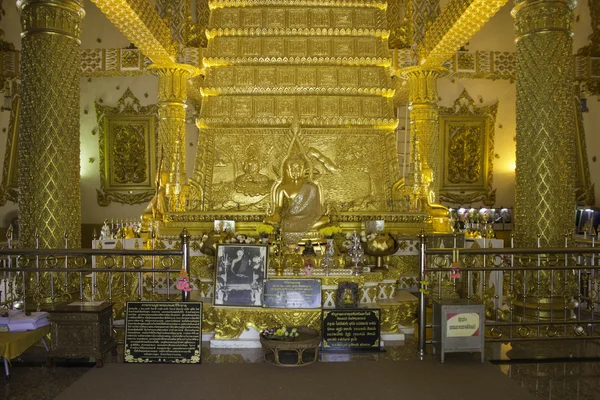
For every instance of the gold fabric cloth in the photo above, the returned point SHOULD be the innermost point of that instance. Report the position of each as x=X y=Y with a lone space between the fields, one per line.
x=13 y=344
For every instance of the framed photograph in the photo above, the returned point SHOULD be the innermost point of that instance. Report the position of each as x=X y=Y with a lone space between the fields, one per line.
x=240 y=273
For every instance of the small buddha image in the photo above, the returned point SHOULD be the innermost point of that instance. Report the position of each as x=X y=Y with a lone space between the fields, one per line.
x=309 y=249
x=252 y=182
x=347 y=298
x=347 y=295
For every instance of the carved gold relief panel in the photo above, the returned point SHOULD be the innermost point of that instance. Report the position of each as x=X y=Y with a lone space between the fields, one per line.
x=245 y=164
x=467 y=143
x=319 y=18
x=274 y=17
x=332 y=78
x=247 y=106
x=276 y=46
x=127 y=140
x=298 y=18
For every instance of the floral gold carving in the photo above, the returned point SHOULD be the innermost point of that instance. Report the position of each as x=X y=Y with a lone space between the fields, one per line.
x=127 y=140
x=467 y=140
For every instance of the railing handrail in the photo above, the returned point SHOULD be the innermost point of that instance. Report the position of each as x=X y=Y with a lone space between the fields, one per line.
x=508 y=250
x=90 y=252
x=33 y=269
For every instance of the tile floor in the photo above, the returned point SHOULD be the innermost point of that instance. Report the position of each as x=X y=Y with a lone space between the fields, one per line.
x=567 y=377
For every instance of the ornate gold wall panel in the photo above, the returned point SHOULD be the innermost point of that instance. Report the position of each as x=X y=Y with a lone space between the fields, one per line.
x=459 y=21
x=127 y=143
x=545 y=178
x=49 y=171
x=102 y=62
x=483 y=65
x=141 y=24
x=467 y=156
x=10 y=177
x=321 y=64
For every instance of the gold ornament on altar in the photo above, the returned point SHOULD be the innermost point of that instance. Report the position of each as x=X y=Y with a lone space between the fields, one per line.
x=379 y=245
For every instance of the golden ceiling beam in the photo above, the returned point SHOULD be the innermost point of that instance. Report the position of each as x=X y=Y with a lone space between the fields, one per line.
x=141 y=24
x=459 y=21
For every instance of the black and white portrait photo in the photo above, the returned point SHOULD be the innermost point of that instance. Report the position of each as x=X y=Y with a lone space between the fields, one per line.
x=239 y=274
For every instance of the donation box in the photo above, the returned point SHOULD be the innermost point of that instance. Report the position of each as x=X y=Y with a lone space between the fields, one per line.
x=458 y=326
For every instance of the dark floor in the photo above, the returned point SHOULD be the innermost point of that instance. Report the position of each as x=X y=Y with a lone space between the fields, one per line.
x=572 y=373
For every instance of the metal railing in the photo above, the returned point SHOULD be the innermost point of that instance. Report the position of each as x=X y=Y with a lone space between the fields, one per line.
x=529 y=293
x=46 y=276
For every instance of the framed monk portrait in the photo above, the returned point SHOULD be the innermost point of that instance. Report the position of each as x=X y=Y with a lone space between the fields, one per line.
x=240 y=273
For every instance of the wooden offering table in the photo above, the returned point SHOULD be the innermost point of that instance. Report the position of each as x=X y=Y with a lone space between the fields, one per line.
x=80 y=329
x=292 y=352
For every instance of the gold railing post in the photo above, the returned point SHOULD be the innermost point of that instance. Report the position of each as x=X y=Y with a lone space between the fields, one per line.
x=545 y=178
x=49 y=146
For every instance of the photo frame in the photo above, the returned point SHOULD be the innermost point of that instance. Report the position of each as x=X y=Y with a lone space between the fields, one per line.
x=240 y=273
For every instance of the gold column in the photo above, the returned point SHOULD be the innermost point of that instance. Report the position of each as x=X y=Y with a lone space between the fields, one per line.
x=544 y=193
x=172 y=95
x=424 y=123
x=49 y=171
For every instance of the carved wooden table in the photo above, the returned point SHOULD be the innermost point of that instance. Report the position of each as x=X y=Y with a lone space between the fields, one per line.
x=79 y=331
x=292 y=352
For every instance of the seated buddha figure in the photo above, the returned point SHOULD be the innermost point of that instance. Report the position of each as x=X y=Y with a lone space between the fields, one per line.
x=297 y=201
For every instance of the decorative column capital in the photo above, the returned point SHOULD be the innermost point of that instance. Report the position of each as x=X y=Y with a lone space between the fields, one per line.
x=534 y=16
x=173 y=78
x=51 y=16
x=422 y=83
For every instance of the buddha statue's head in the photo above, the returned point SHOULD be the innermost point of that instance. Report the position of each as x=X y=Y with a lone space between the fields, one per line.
x=295 y=167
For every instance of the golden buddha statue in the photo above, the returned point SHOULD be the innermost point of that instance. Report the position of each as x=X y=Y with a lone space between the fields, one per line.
x=432 y=208
x=297 y=200
x=158 y=206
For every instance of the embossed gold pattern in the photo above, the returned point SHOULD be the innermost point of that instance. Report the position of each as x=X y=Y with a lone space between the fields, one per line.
x=544 y=192
x=49 y=134
x=141 y=24
x=457 y=23
x=422 y=13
